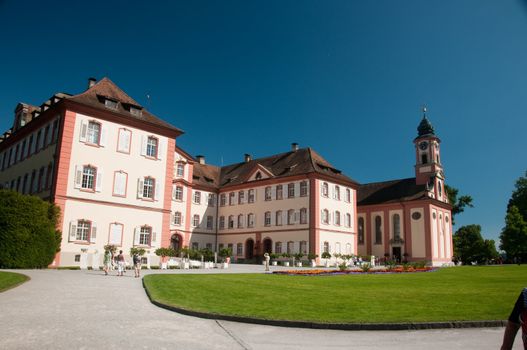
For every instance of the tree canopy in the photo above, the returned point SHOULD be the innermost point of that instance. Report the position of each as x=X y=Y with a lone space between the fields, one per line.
x=458 y=203
x=469 y=246
x=519 y=196
x=514 y=235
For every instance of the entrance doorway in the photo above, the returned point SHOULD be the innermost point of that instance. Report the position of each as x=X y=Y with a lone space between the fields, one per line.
x=396 y=253
x=175 y=242
x=249 y=249
x=268 y=245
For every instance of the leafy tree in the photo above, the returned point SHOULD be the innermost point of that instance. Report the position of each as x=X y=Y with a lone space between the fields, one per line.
x=514 y=235
x=28 y=234
x=469 y=245
x=519 y=196
x=458 y=204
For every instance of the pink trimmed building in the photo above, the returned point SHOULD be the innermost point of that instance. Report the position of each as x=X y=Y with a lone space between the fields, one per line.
x=116 y=173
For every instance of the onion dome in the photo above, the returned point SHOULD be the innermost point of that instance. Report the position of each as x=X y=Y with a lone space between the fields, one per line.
x=425 y=128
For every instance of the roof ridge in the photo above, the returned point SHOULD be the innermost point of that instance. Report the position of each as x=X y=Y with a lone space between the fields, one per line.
x=387 y=181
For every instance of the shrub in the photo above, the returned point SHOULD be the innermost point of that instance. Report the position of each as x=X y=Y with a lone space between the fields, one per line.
x=138 y=251
x=28 y=234
x=365 y=267
x=326 y=255
x=343 y=266
x=312 y=256
x=163 y=252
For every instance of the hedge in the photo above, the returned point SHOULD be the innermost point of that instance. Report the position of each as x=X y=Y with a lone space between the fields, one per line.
x=28 y=235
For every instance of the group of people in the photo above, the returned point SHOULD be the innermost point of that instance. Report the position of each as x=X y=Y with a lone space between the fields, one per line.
x=112 y=262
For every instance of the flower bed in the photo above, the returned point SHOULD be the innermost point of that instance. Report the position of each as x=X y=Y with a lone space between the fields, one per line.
x=355 y=271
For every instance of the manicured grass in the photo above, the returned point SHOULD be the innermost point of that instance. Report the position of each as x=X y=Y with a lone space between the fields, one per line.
x=10 y=280
x=450 y=294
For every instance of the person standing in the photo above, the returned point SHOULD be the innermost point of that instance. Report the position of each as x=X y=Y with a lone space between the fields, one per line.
x=137 y=264
x=120 y=263
x=107 y=262
x=517 y=319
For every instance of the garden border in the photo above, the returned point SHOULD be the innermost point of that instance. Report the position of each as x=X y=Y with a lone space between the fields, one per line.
x=337 y=326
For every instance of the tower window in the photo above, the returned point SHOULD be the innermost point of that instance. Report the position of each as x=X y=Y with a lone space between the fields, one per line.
x=424 y=158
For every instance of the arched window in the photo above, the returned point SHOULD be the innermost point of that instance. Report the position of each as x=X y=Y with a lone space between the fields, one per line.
x=278 y=247
x=325 y=189
x=250 y=220
x=231 y=221
x=337 y=218
x=378 y=230
x=303 y=216
x=197 y=197
x=240 y=220
x=348 y=195
x=267 y=218
x=180 y=170
x=439 y=189
x=326 y=247
x=424 y=158
x=195 y=222
x=290 y=247
x=337 y=192
x=348 y=220
x=222 y=222
x=279 y=218
x=177 y=218
x=361 y=230
x=396 y=226
x=290 y=217
x=279 y=192
x=268 y=193
x=303 y=189
x=325 y=216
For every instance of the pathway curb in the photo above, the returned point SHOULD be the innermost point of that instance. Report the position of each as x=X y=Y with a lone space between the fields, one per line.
x=337 y=326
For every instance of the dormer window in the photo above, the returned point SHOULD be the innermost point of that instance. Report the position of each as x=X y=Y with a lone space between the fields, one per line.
x=258 y=176
x=136 y=111
x=110 y=104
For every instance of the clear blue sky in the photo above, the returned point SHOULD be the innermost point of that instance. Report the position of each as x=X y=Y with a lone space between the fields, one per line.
x=347 y=78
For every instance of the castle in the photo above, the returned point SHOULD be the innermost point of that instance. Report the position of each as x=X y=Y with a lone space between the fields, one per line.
x=116 y=173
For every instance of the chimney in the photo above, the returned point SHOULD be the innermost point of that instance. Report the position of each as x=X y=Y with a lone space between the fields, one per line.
x=91 y=82
x=247 y=158
x=201 y=159
x=294 y=147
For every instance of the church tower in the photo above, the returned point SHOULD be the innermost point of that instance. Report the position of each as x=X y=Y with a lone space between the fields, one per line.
x=428 y=168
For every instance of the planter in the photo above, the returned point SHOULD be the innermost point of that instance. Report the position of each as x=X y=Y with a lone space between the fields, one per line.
x=185 y=265
x=313 y=263
x=274 y=263
x=225 y=265
x=326 y=263
x=286 y=263
x=299 y=264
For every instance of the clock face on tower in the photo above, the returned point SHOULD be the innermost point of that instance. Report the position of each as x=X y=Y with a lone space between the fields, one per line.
x=423 y=145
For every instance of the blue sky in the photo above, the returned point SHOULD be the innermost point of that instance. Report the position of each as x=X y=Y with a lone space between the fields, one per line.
x=347 y=78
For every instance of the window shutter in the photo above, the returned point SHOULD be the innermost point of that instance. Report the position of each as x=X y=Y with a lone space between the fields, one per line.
x=144 y=140
x=98 y=180
x=73 y=230
x=161 y=148
x=154 y=237
x=173 y=192
x=126 y=140
x=104 y=136
x=140 y=185
x=84 y=131
x=137 y=233
x=78 y=176
x=93 y=235
x=157 y=190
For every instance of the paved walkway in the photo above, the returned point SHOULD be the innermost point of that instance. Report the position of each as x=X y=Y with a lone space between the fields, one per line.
x=87 y=310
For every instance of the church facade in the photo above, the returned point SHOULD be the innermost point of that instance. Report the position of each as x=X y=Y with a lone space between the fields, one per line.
x=119 y=177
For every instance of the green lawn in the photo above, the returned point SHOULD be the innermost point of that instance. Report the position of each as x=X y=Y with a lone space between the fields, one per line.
x=10 y=279
x=450 y=294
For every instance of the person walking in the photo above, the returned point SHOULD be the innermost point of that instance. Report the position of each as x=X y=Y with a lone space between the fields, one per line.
x=120 y=263
x=107 y=262
x=137 y=264
x=517 y=320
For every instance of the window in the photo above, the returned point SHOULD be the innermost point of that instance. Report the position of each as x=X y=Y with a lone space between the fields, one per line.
x=18 y=183
x=258 y=176
x=77 y=257
x=303 y=247
x=195 y=245
x=124 y=139
x=177 y=218
x=337 y=218
x=348 y=195
x=303 y=189
x=116 y=234
x=240 y=220
x=38 y=141
x=279 y=192
x=41 y=180
x=88 y=178
x=279 y=218
x=17 y=153
x=303 y=216
x=120 y=178
x=30 y=146
x=222 y=222
x=209 y=222
x=148 y=187
x=93 y=134
x=110 y=104
x=197 y=197
x=378 y=230
x=23 y=150
x=337 y=193
x=229 y=246
x=267 y=218
x=424 y=158
x=24 y=184
x=348 y=220
x=83 y=230
x=325 y=189
x=326 y=247
x=178 y=193
x=223 y=199
x=151 y=147
x=290 y=247
x=180 y=170
x=291 y=190
x=231 y=221
x=135 y=111
x=47 y=135
x=208 y=246
x=211 y=199
x=250 y=220
x=241 y=197
x=55 y=130
x=439 y=188
x=144 y=235
x=396 y=226
x=232 y=196
x=33 y=183
x=250 y=198
x=290 y=217
x=239 y=249
x=49 y=177
x=195 y=220
x=268 y=193
x=278 y=247
x=325 y=216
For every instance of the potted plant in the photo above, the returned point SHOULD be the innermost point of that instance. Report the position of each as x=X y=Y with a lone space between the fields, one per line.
x=225 y=254
x=286 y=255
x=311 y=257
x=273 y=257
x=163 y=253
x=326 y=256
x=298 y=257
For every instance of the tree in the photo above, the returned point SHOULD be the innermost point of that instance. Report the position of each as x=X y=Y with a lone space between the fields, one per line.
x=519 y=196
x=469 y=245
x=458 y=204
x=514 y=235
x=28 y=234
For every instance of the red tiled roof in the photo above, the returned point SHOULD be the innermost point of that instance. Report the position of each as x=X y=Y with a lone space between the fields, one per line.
x=390 y=192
